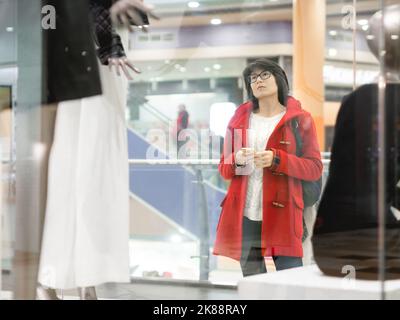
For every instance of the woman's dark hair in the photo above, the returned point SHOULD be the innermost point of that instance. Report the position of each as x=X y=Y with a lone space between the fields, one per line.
x=280 y=78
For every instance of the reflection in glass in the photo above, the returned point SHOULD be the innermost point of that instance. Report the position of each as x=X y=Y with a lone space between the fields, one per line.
x=348 y=230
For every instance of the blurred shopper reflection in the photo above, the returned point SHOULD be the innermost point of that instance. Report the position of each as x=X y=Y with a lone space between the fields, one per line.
x=182 y=123
x=346 y=231
x=262 y=212
x=85 y=236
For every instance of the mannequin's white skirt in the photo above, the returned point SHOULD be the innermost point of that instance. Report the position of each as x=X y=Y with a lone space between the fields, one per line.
x=86 y=231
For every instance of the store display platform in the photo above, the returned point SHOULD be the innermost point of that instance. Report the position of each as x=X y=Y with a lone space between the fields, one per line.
x=309 y=283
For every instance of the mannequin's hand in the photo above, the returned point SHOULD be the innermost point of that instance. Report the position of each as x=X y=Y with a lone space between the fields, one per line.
x=124 y=10
x=263 y=159
x=122 y=63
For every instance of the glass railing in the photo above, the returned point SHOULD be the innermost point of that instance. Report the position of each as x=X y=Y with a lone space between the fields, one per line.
x=188 y=207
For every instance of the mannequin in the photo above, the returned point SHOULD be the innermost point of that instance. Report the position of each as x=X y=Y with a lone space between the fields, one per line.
x=44 y=80
x=87 y=131
x=392 y=44
x=346 y=230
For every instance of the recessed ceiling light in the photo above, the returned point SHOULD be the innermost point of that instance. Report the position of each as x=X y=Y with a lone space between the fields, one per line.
x=217 y=66
x=363 y=22
x=365 y=27
x=9 y=29
x=193 y=4
x=333 y=33
x=394 y=37
x=215 y=21
x=183 y=69
x=207 y=69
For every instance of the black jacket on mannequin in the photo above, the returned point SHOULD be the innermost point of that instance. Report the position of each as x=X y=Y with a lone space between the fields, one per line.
x=70 y=67
x=346 y=229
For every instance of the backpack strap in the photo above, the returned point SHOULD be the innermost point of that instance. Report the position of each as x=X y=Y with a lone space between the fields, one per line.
x=299 y=143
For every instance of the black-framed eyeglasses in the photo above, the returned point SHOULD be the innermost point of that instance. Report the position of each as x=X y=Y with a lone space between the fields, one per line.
x=264 y=75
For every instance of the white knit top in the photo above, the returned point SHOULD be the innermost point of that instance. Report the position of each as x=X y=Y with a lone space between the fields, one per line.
x=260 y=129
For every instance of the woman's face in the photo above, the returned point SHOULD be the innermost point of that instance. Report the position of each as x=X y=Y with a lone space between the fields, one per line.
x=263 y=84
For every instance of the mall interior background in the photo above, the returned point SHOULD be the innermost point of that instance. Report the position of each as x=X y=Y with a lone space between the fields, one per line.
x=194 y=55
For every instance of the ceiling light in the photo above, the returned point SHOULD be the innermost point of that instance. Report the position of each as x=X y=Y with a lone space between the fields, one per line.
x=333 y=33
x=365 y=27
x=207 y=69
x=193 y=4
x=363 y=22
x=394 y=37
x=9 y=29
x=215 y=21
x=167 y=61
x=217 y=66
x=183 y=69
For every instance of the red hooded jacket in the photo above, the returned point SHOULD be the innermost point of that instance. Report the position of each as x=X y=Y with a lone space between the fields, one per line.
x=282 y=224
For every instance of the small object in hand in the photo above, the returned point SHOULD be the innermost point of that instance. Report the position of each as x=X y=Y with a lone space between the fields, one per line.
x=131 y=12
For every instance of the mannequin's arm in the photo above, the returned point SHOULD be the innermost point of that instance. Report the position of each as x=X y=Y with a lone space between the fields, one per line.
x=107 y=40
x=110 y=48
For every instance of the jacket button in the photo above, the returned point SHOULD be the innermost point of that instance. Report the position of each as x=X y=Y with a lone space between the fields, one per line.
x=89 y=69
x=66 y=49
x=84 y=53
x=277 y=204
x=284 y=142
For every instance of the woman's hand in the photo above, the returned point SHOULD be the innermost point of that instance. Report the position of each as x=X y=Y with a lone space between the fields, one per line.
x=263 y=159
x=126 y=12
x=122 y=63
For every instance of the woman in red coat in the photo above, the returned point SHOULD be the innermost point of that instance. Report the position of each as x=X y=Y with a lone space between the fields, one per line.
x=262 y=211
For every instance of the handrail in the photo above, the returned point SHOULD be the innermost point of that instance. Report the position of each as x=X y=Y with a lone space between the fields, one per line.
x=183 y=162
x=154 y=114
x=186 y=161
x=148 y=107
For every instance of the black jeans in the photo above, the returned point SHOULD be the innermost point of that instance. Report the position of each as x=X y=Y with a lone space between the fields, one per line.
x=252 y=261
